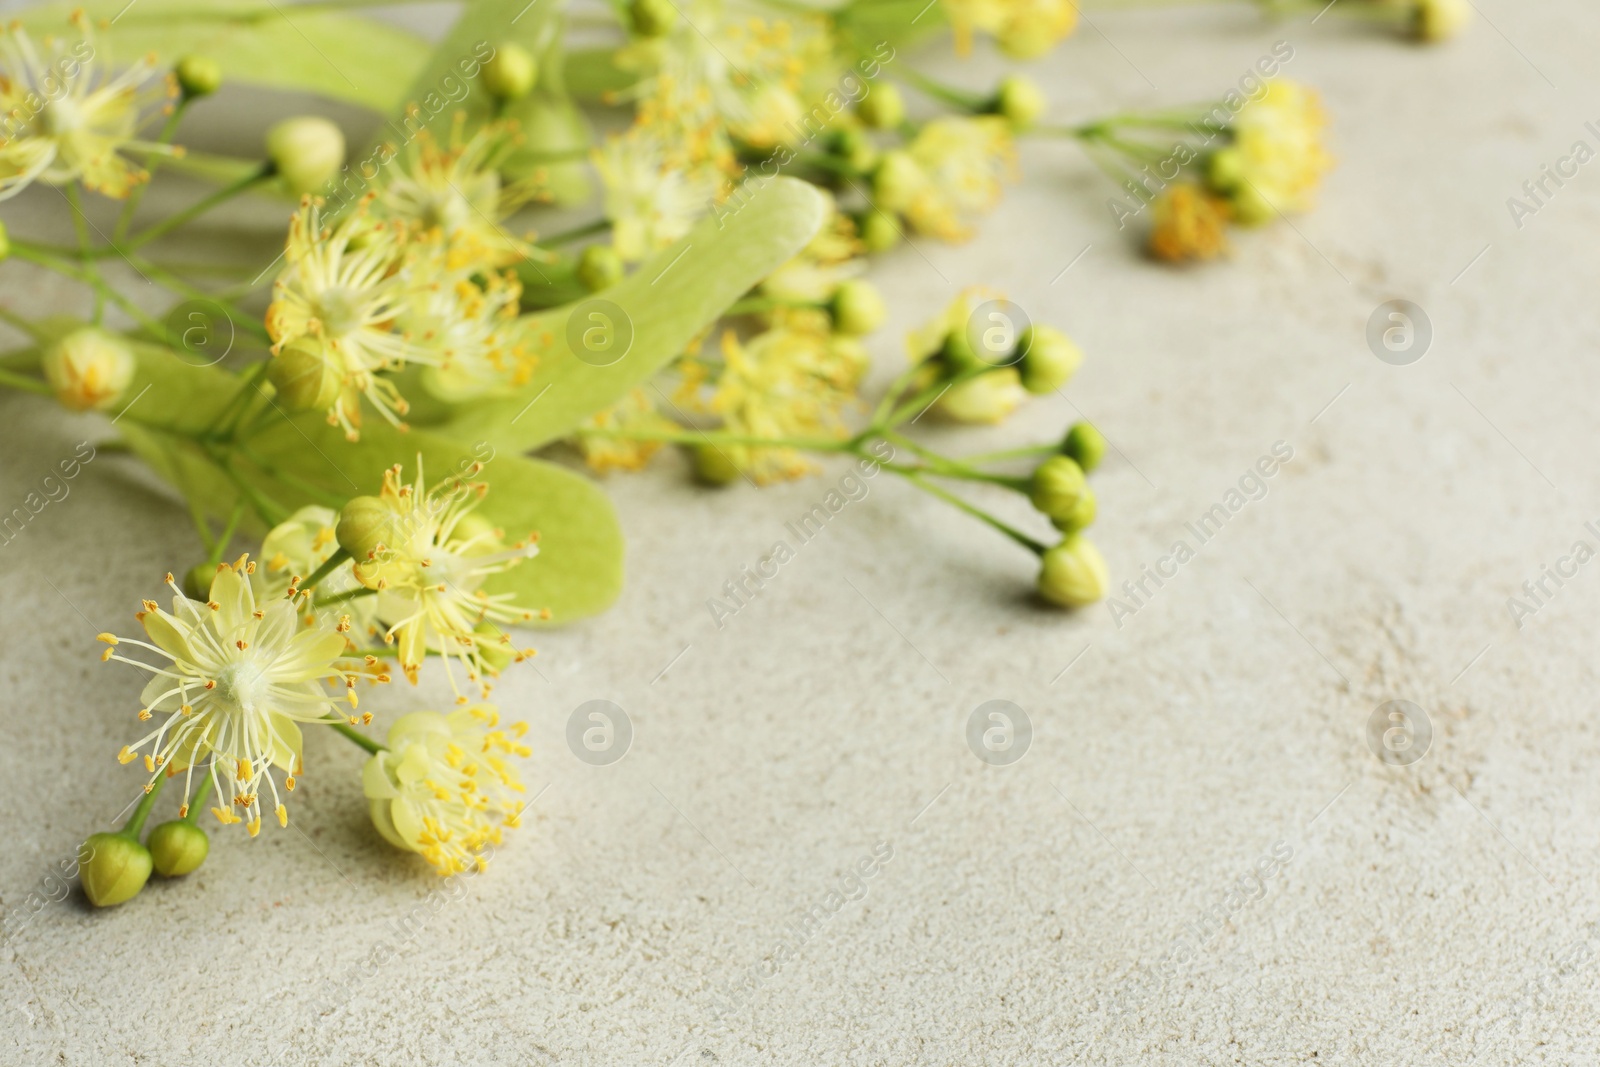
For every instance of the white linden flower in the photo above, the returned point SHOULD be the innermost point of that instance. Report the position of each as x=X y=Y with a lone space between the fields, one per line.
x=428 y=555
x=66 y=116
x=476 y=342
x=649 y=203
x=240 y=680
x=443 y=787
x=346 y=284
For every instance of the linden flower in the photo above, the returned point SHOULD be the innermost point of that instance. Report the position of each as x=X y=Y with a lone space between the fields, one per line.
x=787 y=382
x=649 y=203
x=443 y=787
x=69 y=116
x=951 y=172
x=345 y=284
x=455 y=193
x=428 y=555
x=293 y=551
x=1025 y=29
x=633 y=412
x=469 y=328
x=1277 y=158
x=1190 y=223
x=242 y=676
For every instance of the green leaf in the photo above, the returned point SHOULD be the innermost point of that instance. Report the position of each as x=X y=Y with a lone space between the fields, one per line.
x=297 y=460
x=255 y=42
x=667 y=302
x=592 y=74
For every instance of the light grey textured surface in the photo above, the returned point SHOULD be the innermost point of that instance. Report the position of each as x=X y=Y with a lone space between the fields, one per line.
x=1441 y=913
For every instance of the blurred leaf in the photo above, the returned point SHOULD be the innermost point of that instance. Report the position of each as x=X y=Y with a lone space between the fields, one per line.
x=255 y=42
x=592 y=74
x=665 y=303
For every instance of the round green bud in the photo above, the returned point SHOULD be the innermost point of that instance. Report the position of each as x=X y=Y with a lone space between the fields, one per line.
x=198 y=76
x=1081 y=515
x=958 y=356
x=479 y=531
x=511 y=72
x=1225 y=170
x=713 y=466
x=113 y=868
x=652 y=18
x=89 y=368
x=197 y=581
x=1073 y=574
x=986 y=399
x=1085 y=444
x=304 y=377
x=364 y=524
x=883 y=108
x=1019 y=101
x=896 y=180
x=178 y=847
x=599 y=267
x=1058 y=485
x=306 y=152
x=857 y=308
x=1049 y=359
x=879 y=232
x=1250 y=207
x=855 y=148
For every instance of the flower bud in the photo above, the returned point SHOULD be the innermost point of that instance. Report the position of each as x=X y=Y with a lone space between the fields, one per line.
x=1085 y=444
x=855 y=148
x=882 y=108
x=988 y=398
x=197 y=581
x=303 y=376
x=307 y=152
x=1225 y=169
x=1058 y=485
x=957 y=354
x=113 y=868
x=178 y=847
x=652 y=18
x=364 y=523
x=1250 y=206
x=599 y=267
x=198 y=76
x=879 y=232
x=89 y=368
x=897 y=179
x=5 y=242
x=1073 y=573
x=1435 y=20
x=1081 y=516
x=1049 y=359
x=714 y=466
x=1019 y=101
x=857 y=308
x=511 y=72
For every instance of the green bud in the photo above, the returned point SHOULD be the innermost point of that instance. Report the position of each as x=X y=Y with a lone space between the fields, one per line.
x=5 y=242
x=882 y=108
x=478 y=529
x=1019 y=101
x=652 y=18
x=197 y=581
x=857 y=308
x=364 y=524
x=306 y=151
x=1085 y=444
x=113 y=868
x=1225 y=170
x=1073 y=574
x=986 y=399
x=1081 y=516
x=713 y=466
x=178 y=847
x=1049 y=359
x=957 y=354
x=511 y=72
x=599 y=267
x=1058 y=485
x=879 y=232
x=897 y=179
x=855 y=148
x=89 y=368
x=303 y=376
x=198 y=76
x=1250 y=207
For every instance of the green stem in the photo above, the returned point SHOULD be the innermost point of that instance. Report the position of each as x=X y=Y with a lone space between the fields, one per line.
x=1036 y=547
x=328 y=567
x=171 y=280
x=220 y=547
x=717 y=437
x=199 y=799
x=80 y=225
x=23 y=381
x=949 y=94
x=1011 y=453
x=356 y=735
x=577 y=233
x=194 y=211
x=27 y=326
x=135 y=824
x=168 y=131
x=349 y=594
